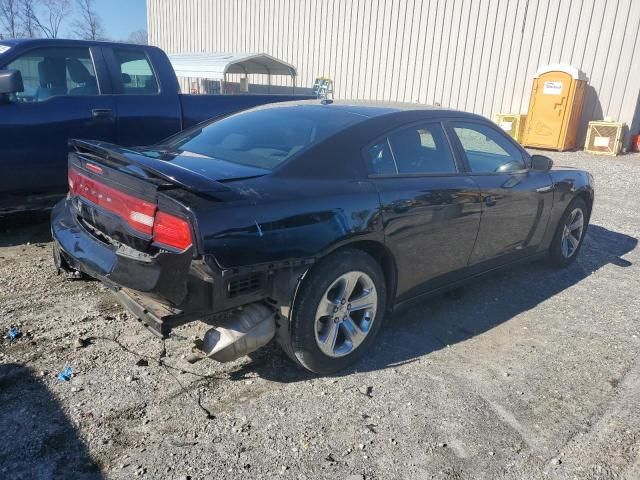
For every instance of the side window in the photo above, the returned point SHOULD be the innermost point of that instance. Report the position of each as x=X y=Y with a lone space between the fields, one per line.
x=422 y=149
x=380 y=159
x=51 y=72
x=487 y=150
x=136 y=73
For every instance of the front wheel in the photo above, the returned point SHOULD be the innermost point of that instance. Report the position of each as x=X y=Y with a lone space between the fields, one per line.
x=337 y=313
x=570 y=234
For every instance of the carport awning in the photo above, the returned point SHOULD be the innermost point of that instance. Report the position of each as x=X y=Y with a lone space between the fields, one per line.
x=214 y=66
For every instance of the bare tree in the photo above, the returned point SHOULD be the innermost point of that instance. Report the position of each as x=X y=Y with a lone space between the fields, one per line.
x=27 y=14
x=10 y=18
x=139 y=36
x=89 y=25
x=50 y=15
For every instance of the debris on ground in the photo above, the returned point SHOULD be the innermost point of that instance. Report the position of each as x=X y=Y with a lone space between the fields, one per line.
x=14 y=334
x=366 y=390
x=66 y=374
x=193 y=358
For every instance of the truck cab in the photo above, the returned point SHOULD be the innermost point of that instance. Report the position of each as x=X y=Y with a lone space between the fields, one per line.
x=75 y=89
x=112 y=92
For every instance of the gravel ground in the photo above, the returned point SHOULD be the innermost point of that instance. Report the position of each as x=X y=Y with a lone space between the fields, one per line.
x=534 y=373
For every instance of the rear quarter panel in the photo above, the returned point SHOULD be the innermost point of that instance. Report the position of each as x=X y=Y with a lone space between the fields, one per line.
x=277 y=220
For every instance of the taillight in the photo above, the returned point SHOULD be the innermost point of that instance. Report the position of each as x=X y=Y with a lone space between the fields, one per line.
x=172 y=231
x=140 y=215
x=137 y=213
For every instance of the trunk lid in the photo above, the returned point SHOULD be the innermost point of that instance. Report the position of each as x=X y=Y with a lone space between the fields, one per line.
x=119 y=195
x=193 y=172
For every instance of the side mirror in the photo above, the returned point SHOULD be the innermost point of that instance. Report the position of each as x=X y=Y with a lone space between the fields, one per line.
x=11 y=81
x=541 y=163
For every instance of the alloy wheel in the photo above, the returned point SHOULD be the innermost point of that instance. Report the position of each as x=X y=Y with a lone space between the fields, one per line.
x=345 y=314
x=572 y=233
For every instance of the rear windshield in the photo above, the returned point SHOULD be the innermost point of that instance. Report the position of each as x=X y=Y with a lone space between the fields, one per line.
x=264 y=138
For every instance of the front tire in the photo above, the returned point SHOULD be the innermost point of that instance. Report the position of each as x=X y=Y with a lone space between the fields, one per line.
x=338 y=312
x=570 y=234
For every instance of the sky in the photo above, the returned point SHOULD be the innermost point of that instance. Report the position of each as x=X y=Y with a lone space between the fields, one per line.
x=121 y=17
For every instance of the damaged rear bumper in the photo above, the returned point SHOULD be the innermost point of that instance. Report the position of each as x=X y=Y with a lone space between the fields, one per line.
x=163 y=275
x=164 y=290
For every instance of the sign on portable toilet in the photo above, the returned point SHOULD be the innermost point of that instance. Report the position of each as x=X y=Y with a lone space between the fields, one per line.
x=555 y=107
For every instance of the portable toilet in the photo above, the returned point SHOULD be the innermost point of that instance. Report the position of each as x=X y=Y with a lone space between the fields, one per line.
x=555 y=107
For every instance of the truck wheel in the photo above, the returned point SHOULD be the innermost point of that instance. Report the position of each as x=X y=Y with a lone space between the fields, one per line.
x=337 y=313
x=569 y=235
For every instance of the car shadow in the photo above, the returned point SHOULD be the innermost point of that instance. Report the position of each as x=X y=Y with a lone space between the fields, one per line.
x=19 y=229
x=462 y=314
x=38 y=440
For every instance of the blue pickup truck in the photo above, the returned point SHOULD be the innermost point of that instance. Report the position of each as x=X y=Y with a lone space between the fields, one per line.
x=54 y=90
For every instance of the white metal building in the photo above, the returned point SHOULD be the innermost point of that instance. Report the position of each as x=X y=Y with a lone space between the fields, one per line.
x=475 y=55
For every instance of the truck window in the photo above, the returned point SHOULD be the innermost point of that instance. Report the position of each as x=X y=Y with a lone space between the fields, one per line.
x=136 y=73
x=51 y=72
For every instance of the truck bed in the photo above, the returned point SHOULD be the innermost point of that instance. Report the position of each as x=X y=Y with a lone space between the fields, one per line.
x=198 y=108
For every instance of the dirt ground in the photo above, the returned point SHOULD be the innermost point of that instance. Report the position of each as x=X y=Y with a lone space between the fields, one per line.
x=530 y=374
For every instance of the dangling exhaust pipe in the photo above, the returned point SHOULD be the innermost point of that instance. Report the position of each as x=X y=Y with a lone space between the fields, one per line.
x=243 y=332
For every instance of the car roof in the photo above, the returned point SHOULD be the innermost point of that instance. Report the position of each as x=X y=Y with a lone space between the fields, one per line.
x=328 y=159
x=372 y=108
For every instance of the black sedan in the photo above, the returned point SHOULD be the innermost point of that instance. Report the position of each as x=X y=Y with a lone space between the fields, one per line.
x=311 y=221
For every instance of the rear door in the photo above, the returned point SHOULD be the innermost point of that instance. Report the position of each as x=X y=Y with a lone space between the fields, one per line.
x=430 y=209
x=516 y=201
x=63 y=98
x=147 y=102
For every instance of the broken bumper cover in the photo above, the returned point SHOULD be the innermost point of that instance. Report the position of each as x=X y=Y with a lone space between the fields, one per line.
x=163 y=275
x=161 y=291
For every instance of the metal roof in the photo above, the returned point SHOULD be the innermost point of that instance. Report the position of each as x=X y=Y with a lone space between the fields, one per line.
x=214 y=66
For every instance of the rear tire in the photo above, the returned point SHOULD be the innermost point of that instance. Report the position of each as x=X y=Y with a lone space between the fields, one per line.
x=338 y=312
x=570 y=234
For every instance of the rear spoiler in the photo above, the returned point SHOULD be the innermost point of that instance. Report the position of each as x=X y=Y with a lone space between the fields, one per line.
x=167 y=171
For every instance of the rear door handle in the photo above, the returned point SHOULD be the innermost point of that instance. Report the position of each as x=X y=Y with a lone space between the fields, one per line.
x=98 y=113
x=490 y=201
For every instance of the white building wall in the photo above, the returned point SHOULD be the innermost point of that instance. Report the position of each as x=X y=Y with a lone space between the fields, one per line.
x=475 y=55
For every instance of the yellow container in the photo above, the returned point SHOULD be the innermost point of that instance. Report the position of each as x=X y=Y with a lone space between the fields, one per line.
x=555 y=107
x=512 y=123
x=604 y=138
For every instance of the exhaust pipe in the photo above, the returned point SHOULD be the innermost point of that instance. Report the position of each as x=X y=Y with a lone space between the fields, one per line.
x=241 y=333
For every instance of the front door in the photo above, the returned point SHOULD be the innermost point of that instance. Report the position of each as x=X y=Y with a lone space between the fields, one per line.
x=516 y=201
x=61 y=100
x=430 y=210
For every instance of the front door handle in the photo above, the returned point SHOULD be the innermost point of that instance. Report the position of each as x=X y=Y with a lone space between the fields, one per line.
x=101 y=113
x=490 y=201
